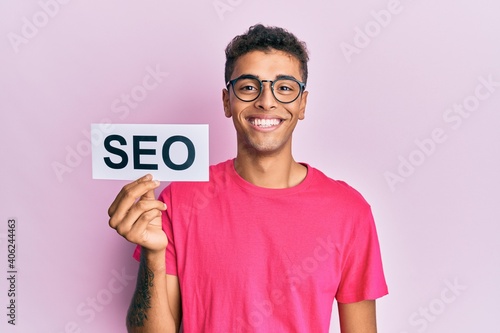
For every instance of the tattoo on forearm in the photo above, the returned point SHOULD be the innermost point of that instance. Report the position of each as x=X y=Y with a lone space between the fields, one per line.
x=141 y=302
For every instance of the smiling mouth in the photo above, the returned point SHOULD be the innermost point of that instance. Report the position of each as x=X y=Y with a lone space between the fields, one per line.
x=265 y=123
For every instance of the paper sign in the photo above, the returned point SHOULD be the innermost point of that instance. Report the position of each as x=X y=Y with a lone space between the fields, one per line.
x=168 y=152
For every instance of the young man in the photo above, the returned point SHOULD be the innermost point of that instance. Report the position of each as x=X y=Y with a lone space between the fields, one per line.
x=268 y=243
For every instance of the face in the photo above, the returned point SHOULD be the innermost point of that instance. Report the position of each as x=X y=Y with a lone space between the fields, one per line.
x=265 y=125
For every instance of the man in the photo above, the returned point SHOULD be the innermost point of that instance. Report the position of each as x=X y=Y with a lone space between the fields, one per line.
x=268 y=243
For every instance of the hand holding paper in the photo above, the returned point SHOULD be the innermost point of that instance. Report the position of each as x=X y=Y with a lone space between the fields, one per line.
x=136 y=215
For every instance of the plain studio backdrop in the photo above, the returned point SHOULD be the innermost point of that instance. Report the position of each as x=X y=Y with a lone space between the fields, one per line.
x=404 y=105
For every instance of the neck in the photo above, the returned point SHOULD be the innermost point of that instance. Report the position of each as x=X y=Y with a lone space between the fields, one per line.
x=269 y=171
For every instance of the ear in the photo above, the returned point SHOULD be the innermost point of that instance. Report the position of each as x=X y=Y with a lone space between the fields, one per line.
x=226 y=103
x=303 y=103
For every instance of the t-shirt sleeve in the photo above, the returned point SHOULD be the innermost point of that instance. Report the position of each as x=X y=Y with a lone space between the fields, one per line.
x=362 y=276
x=170 y=255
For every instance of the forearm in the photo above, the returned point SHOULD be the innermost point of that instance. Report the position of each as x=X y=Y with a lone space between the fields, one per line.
x=149 y=310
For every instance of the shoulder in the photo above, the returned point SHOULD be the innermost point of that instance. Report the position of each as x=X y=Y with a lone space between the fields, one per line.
x=337 y=190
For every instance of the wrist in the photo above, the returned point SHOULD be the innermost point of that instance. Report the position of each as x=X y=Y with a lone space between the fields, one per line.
x=154 y=259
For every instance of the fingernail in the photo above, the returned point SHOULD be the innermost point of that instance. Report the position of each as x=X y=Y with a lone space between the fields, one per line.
x=156 y=182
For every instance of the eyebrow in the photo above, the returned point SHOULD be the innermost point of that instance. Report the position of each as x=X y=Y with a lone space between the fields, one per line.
x=277 y=77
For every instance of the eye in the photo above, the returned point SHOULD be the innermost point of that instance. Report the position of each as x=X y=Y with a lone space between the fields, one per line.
x=248 y=88
x=286 y=86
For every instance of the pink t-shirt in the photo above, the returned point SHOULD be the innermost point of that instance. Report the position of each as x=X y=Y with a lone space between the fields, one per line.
x=251 y=259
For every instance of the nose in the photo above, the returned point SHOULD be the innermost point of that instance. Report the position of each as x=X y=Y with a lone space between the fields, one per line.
x=266 y=100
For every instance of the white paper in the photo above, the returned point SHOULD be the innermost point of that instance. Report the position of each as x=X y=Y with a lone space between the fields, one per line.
x=168 y=152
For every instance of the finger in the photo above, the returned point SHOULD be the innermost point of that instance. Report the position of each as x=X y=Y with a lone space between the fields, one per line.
x=127 y=188
x=136 y=212
x=138 y=232
x=150 y=195
x=131 y=192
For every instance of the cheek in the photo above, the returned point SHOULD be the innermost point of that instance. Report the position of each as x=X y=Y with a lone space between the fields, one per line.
x=238 y=109
x=296 y=112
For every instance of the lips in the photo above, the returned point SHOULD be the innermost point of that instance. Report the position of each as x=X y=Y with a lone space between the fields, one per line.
x=265 y=123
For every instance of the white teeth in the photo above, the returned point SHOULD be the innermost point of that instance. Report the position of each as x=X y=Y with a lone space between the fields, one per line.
x=264 y=122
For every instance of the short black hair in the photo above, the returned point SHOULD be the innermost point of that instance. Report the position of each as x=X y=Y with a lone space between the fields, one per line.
x=262 y=38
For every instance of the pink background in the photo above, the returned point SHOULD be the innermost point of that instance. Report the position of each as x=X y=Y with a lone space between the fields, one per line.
x=438 y=228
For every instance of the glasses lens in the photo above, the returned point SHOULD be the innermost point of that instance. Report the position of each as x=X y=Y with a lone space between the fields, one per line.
x=286 y=90
x=247 y=89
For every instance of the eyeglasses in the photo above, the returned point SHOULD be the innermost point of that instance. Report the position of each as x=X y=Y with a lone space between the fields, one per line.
x=248 y=88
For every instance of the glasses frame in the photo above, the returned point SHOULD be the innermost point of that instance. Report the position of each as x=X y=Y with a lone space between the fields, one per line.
x=302 y=86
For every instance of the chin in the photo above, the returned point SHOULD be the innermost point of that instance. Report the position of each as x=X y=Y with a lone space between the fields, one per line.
x=265 y=147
